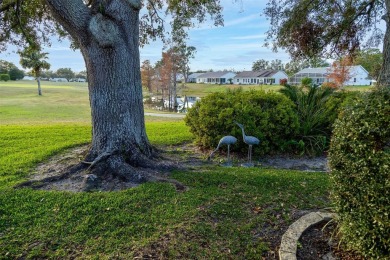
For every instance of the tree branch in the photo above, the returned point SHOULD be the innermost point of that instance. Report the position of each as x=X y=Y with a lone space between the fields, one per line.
x=6 y=6
x=73 y=15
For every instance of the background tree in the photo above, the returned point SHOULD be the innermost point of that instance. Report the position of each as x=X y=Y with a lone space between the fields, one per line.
x=340 y=72
x=108 y=34
x=267 y=65
x=260 y=65
x=36 y=61
x=81 y=75
x=48 y=74
x=168 y=72
x=15 y=73
x=4 y=77
x=276 y=65
x=307 y=28
x=147 y=74
x=371 y=60
x=184 y=54
x=65 y=73
x=5 y=66
x=9 y=68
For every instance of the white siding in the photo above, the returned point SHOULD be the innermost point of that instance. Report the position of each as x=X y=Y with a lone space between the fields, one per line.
x=278 y=76
x=359 y=76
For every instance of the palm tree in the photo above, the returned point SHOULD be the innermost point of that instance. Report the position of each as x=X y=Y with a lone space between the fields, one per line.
x=36 y=60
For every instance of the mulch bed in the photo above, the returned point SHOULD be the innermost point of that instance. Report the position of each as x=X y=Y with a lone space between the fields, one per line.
x=321 y=242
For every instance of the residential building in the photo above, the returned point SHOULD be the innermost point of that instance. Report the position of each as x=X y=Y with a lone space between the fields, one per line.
x=260 y=77
x=219 y=77
x=192 y=78
x=357 y=76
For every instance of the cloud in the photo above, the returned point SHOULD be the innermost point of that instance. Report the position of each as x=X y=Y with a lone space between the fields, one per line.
x=242 y=20
x=248 y=37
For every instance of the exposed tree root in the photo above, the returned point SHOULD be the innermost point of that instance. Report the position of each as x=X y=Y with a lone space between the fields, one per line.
x=40 y=183
x=110 y=171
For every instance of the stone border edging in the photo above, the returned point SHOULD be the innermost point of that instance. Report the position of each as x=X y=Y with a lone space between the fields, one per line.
x=288 y=245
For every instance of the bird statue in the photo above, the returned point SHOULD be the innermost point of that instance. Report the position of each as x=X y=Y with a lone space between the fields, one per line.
x=249 y=140
x=226 y=140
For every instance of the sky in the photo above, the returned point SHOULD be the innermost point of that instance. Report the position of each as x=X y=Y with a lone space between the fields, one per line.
x=233 y=47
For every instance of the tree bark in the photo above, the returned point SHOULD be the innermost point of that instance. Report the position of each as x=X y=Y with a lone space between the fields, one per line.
x=384 y=75
x=109 y=42
x=39 y=86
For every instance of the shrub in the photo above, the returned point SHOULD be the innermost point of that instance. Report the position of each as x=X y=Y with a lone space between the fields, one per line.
x=329 y=85
x=313 y=113
x=268 y=116
x=337 y=102
x=283 y=82
x=360 y=163
x=306 y=82
x=4 y=77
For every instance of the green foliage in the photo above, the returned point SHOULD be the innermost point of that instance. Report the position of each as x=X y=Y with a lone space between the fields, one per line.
x=337 y=102
x=16 y=74
x=307 y=82
x=360 y=162
x=65 y=73
x=307 y=28
x=371 y=60
x=4 y=77
x=315 y=115
x=10 y=69
x=34 y=59
x=268 y=116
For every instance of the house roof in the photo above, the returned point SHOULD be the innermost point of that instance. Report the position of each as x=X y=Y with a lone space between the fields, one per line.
x=257 y=74
x=217 y=74
x=321 y=70
x=325 y=70
x=194 y=75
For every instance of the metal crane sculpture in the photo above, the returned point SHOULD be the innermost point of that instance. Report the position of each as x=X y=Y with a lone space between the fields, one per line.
x=249 y=140
x=226 y=140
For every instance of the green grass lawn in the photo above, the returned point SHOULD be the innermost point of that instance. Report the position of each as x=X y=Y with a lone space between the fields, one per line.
x=227 y=213
x=201 y=90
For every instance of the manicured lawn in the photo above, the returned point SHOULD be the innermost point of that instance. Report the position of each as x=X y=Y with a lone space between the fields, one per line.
x=200 y=90
x=220 y=216
x=227 y=213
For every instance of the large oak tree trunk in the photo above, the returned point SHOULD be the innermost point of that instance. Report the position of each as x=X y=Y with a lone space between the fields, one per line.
x=116 y=99
x=384 y=76
x=109 y=41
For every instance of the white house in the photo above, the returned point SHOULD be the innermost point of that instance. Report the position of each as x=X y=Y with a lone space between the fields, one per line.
x=192 y=78
x=219 y=77
x=357 y=76
x=260 y=77
x=58 y=79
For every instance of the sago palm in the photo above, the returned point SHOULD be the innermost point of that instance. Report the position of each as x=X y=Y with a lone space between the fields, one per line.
x=310 y=102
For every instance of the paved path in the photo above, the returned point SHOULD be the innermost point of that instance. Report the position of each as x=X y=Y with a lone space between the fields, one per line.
x=166 y=115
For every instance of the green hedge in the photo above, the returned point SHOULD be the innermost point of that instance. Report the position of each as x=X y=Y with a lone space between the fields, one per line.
x=267 y=116
x=4 y=77
x=360 y=162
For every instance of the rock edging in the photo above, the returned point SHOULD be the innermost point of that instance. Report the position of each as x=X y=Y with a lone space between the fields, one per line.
x=288 y=245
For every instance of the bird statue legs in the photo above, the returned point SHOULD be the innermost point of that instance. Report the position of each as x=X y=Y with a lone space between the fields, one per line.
x=229 y=162
x=249 y=163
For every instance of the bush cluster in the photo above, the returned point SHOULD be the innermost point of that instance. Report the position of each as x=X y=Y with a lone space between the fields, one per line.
x=267 y=116
x=4 y=77
x=360 y=162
